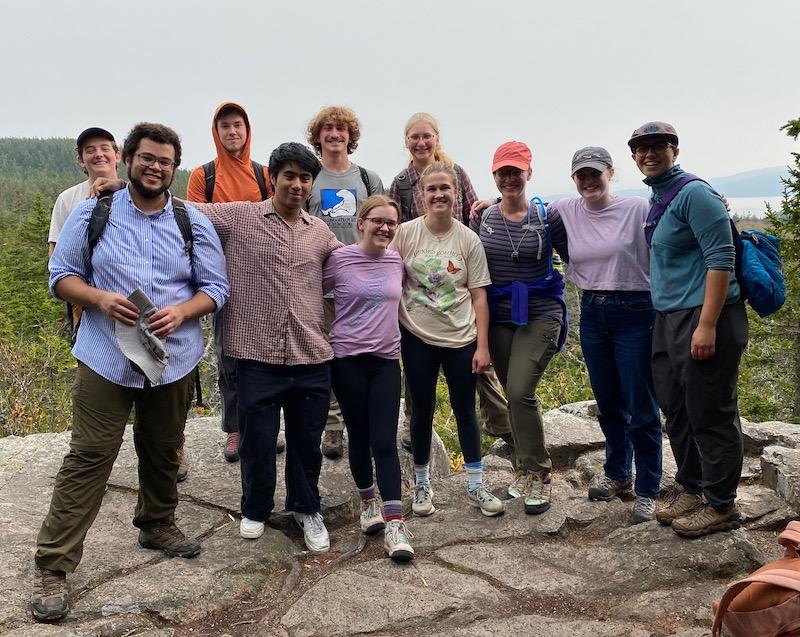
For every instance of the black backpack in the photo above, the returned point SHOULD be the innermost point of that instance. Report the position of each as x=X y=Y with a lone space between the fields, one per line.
x=210 y=174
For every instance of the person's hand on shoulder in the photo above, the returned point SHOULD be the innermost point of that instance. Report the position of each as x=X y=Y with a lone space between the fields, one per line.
x=105 y=184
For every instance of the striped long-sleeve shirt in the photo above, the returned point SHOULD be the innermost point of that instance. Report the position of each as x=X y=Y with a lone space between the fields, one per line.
x=501 y=238
x=147 y=252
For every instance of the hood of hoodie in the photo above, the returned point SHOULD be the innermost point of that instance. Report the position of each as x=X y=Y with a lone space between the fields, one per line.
x=223 y=155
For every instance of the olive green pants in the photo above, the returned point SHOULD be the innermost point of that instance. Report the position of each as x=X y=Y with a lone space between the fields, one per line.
x=100 y=411
x=520 y=355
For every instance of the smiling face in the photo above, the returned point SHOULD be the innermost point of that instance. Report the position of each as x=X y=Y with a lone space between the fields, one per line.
x=292 y=186
x=592 y=184
x=421 y=141
x=334 y=138
x=510 y=181
x=439 y=193
x=378 y=227
x=654 y=156
x=232 y=131
x=151 y=168
x=98 y=158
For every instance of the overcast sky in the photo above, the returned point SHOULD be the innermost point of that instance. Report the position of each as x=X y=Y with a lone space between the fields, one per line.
x=556 y=75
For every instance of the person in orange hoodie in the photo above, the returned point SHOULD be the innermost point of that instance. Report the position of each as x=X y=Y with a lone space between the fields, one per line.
x=232 y=176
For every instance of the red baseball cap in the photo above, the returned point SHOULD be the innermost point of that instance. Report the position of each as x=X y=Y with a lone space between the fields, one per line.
x=514 y=154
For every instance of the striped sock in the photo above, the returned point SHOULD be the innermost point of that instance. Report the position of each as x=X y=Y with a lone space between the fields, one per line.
x=367 y=494
x=421 y=475
x=474 y=474
x=392 y=510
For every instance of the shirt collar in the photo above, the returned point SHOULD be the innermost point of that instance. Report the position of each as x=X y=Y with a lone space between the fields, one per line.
x=269 y=209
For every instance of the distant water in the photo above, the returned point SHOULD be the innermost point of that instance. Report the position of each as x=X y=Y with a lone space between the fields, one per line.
x=752 y=206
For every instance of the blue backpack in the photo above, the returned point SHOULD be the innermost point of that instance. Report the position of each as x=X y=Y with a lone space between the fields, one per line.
x=759 y=267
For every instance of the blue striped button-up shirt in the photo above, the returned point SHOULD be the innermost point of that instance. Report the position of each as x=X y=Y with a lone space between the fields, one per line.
x=140 y=251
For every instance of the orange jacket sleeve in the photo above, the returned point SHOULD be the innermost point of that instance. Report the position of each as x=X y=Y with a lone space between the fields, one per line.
x=196 y=190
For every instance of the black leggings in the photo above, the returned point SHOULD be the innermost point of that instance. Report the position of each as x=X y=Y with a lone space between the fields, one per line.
x=421 y=363
x=368 y=389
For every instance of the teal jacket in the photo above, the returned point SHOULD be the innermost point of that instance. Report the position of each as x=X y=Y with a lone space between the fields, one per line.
x=692 y=237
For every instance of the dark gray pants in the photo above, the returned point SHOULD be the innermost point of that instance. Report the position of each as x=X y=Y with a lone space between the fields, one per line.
x=699 y=399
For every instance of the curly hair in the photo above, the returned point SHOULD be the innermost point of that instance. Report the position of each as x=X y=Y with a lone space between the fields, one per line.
x=336 y=115
x=156 y=132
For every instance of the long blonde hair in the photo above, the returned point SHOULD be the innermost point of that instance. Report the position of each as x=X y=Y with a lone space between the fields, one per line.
x=438 y=154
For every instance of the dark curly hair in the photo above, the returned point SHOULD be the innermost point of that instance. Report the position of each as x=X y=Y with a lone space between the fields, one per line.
x=156 y=132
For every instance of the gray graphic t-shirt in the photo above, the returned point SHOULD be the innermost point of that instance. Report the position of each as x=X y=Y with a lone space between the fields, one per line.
x=337 y=197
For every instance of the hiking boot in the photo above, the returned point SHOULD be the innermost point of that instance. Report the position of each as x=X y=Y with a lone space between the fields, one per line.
x=280 y=444
x=371 y=517
x=485 y=501
x=49 y=600
x=231 y=452
x=605 y=488
x=314 y=532
x=706 y=519
x=332 y=444
x=517 y=488
x=675 y=502
x=183 y=467
x=405 y=436
x=168 y=538
x=644 y=510
x=422 y=504
x=537 y=493
x=251 y=529
x=396 y=541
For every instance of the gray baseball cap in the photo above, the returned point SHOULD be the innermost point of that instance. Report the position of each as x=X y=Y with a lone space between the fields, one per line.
x=591 y=157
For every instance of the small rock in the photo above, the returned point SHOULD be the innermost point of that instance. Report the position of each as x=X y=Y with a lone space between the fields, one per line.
x=780 y=467
x=758 y=435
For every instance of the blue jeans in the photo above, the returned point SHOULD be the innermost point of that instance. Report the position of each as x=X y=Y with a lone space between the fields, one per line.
x=616 y=338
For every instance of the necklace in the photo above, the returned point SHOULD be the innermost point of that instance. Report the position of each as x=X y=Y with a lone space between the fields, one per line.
x=515 y=249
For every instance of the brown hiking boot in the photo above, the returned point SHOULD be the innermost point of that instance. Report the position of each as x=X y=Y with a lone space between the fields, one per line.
x=49 y=600
x=706 y=519
x=332 y=444
x=675 y=502
x=183 y=468
x=170 y=539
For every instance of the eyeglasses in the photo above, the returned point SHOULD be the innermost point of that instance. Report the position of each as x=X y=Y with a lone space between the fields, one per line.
x=659 y=147
x=148 y=160
x=380 y=221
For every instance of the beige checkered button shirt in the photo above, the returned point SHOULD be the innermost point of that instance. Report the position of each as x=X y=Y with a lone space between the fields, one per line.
x=274 y=314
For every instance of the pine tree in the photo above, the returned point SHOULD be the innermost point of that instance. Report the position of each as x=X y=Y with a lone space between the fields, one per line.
x=785 y=224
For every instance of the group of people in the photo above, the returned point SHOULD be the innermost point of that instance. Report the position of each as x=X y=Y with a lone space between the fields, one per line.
x=327 y=283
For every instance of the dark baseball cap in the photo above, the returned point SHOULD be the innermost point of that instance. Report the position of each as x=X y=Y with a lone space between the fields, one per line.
x=102 y=133
x=591 y=157
x=653 y=130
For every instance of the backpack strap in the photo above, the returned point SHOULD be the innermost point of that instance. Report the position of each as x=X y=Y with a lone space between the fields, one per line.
x=778 y=577
x=97 y=223
x=258 y=171
x=657 y=210
x=210 y=174
x=365 y=179
x=185 y=226
x=406 y=197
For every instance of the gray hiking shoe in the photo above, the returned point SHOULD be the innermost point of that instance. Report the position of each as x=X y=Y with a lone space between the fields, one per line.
x=49 y=600
x=371 y=518
x=396 y=541
x=604 y=488
x=485 y=501
x=644 y=509
x=422 y=504
x=537 y=493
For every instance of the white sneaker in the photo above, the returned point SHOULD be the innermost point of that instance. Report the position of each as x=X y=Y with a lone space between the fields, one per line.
x=423 y=500
x=371 y=517
x=314 y=532
x=396 y=541
x=251 y=529
x=485 y=501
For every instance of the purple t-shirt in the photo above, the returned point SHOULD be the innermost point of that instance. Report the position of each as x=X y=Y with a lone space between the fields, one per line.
x=367 y=292
x=607 y=249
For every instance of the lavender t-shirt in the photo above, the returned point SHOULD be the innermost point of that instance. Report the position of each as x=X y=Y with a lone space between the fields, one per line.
x=367 y=292
x=607 y=248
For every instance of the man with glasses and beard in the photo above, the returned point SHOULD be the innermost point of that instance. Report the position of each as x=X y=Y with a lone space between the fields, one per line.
x=141 y=248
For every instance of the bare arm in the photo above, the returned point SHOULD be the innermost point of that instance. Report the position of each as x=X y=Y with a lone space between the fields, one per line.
x=705 y=334
x=482 y=359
